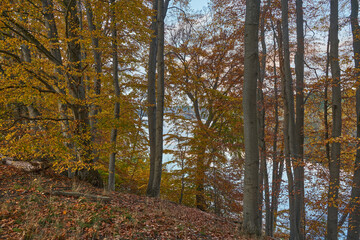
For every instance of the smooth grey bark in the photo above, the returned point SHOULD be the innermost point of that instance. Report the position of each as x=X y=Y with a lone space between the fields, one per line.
x=286 y=131
x=264 y=178
x=151 y=98
x=33 y=112
x=295 y=129
x=299 y=127
x=334 y=164
x=97 y=59
x=50 y=23
x=326 y=101
x=354 y=216
x=154 y=185
x=287 y=74
x=114 y=131
x=160 y=91
x=251 y=63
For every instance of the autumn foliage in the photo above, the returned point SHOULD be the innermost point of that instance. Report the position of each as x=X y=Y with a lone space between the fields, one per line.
x=75 y=92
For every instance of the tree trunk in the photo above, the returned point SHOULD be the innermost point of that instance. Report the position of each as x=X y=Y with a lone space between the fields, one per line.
x=97 y=59
x=264 y=181
x=156 y=162
x=326 y=102
x=159 y=99
x=251 y=179
x=354 y=217
x=33 y=112
x=77 y=90
x=111 y=183
x=151 y=98
x=52 y=33
x=299 y=128
x=200 y=178
x=334 y=164
x=287 y=125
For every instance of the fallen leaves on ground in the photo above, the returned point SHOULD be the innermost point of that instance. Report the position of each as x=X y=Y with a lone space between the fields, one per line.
x=28 y=210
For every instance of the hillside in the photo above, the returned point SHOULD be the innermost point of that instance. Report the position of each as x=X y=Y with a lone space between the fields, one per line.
x=29 y=209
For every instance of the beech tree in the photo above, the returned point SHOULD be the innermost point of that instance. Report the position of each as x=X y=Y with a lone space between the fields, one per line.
x=209 y=83
x=156 y=104
x=251 y=63
x=115 y=62
x=354 y=216
x=334 y=164
x=299 y=128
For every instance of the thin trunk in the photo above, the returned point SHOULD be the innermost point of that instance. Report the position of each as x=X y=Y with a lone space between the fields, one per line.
x=151 y=98
x=251 y=179
x=111 y=182
x=160 y=90
x=50 y=23
x=277 y=170
x=276 y=187
x=334 y=164
x=326 y=102
x=97 y=58
x=295 y=211
x=33 y=112
x=182 y=157
x=264 y=180
x=299 y=128
x=288 y=136
x=267 y=195
x=354 y=216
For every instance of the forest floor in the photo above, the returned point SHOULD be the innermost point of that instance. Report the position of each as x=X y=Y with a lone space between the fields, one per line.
x=29 y=209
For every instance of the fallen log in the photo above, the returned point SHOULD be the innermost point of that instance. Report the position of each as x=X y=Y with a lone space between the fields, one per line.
x=86 y=195
x=33 y=166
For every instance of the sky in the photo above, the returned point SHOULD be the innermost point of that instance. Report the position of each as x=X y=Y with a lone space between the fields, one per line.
x=198 y=4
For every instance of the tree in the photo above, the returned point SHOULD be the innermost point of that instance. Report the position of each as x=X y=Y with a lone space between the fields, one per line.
x=251 y=63
x=354 y=216
x=206 y=106
x=289 y=114
x=299 y=128
x=156 y=109
x=334 y=164
x=151 y=98
x=114 y=131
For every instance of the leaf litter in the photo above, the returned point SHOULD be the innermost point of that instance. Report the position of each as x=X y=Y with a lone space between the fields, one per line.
x=28 y=210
